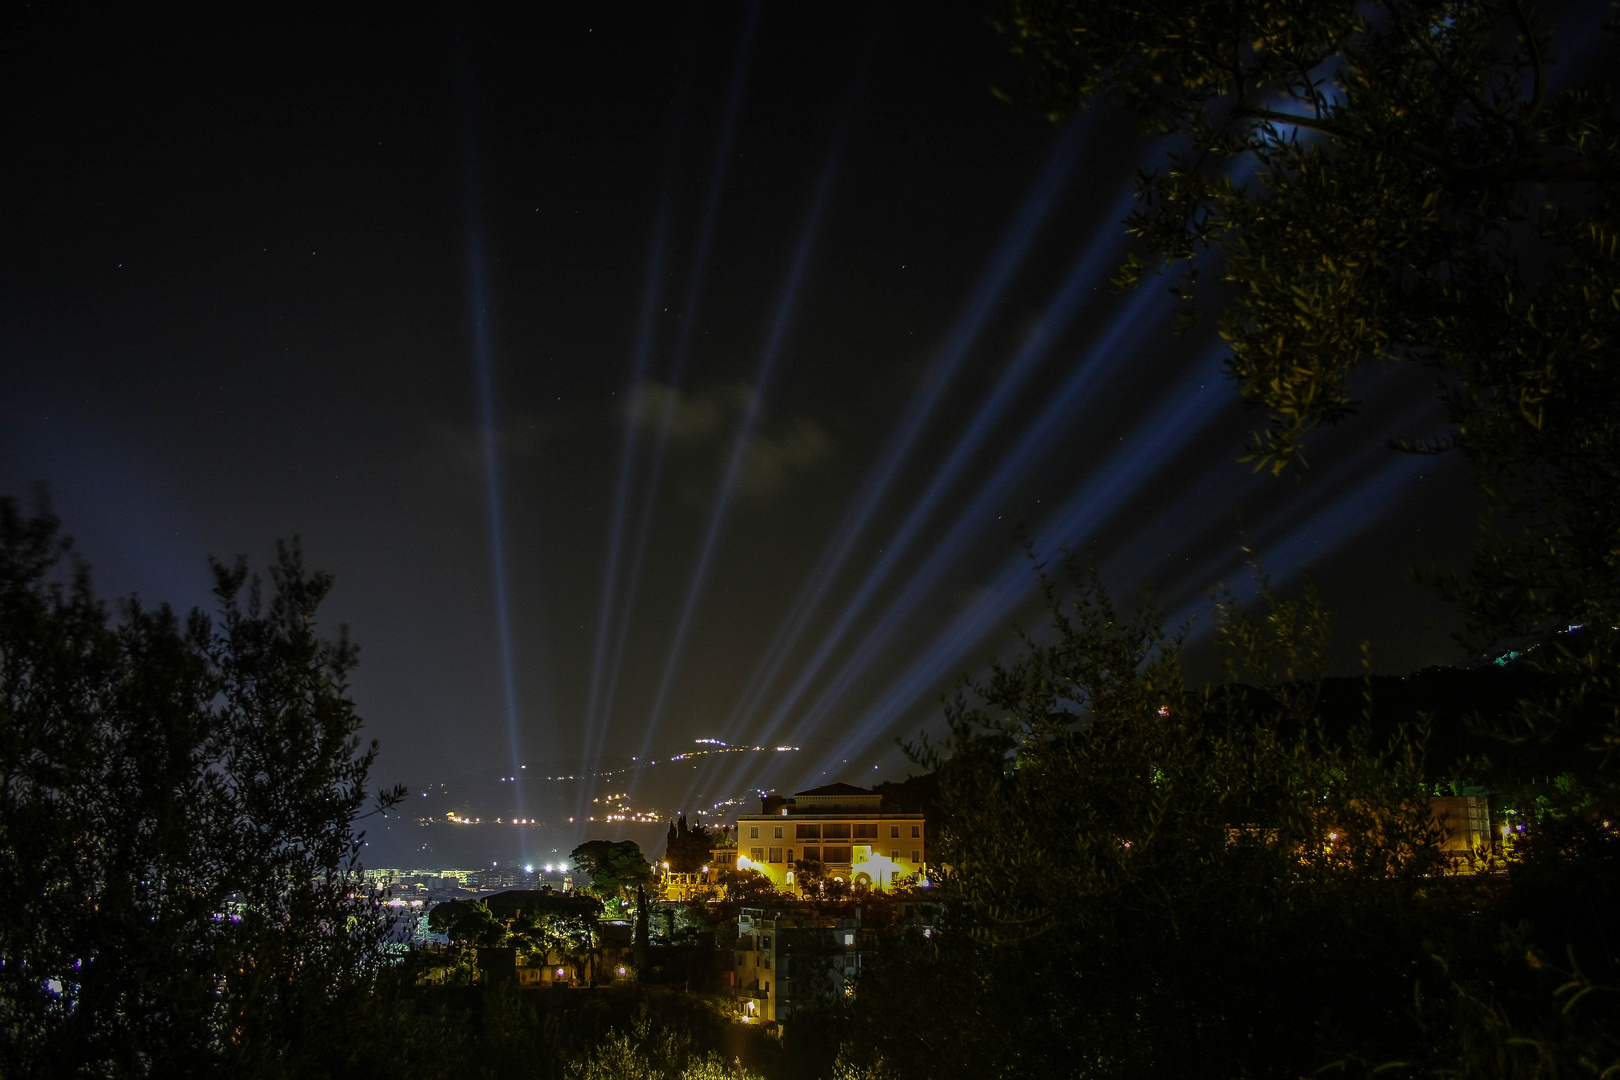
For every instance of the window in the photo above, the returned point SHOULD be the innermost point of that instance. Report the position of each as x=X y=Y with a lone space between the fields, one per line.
x=776 y=854
x=916 y=856
x=753 y=832
x=835 y=832
x=812 y=854
x=894 y=831
x=866 y=832
x=779 y=832
x=807 y=832
x=835 y=853
x=895 y=855
x=849 y=939
x=757 y=854
x=916 y=831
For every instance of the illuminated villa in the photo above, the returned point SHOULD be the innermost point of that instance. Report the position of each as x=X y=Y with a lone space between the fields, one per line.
x=840 y=826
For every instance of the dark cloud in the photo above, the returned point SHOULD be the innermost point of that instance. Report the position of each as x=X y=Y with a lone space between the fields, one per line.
x=705 y=421
x=787 y=451
x=461 y=446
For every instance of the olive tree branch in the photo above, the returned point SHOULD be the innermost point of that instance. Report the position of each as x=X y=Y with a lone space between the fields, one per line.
x=1536 y=60
x=1461 y=84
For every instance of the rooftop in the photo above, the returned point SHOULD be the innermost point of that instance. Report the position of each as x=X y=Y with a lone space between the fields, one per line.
x=829 y=798
x=834 y=789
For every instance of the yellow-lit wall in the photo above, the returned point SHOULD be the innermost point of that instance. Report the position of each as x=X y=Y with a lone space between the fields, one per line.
x=879 y=862
x=755 y=989
x=675 y=885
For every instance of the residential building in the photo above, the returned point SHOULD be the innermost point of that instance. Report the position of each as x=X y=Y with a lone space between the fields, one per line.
x=723 y=856
x=786 y=962
x=675 y=885
x=842 y=828
x=789 y=960
x=1463 y=823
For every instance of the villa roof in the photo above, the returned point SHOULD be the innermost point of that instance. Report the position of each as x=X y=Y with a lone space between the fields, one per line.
x=834 y=789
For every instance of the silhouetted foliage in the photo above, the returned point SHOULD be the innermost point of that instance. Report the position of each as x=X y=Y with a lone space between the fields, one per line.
x=467 y=922
x=615 y=868
x=687 y=847
x=177 y=807
x=651 y=1052
x=1409 y=181
x=545 y=925
x=1394 y=148
x=1143 y=878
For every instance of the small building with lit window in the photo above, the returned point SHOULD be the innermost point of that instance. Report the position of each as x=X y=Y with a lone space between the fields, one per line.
x=795 y=958
x=722 y=857
x=840 y=827
x=789 y=962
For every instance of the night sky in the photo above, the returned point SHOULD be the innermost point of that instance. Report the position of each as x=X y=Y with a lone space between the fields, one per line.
x=410 y=290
